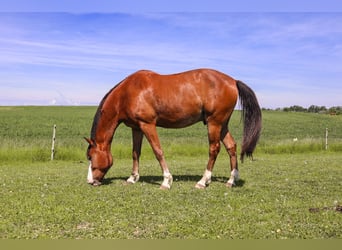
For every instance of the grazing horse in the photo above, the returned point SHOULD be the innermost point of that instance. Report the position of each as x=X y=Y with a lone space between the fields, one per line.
x=146 y=99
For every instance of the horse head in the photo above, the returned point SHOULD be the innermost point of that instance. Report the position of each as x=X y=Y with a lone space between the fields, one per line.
x=100 y=162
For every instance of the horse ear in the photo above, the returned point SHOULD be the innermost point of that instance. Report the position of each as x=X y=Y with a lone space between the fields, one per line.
x=90 y=141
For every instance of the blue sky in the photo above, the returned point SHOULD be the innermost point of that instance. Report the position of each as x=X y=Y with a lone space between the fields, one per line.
x=74 y=58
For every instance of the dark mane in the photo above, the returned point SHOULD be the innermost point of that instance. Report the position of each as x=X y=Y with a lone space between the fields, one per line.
x=98 y=113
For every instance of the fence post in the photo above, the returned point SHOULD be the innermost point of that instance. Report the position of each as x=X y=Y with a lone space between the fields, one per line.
x=326 y=138
x=53 y=142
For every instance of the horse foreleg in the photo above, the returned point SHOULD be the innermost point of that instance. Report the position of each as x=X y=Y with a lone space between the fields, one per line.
x=214 y=149
x=230 y=146
x=137 y=136
x=150 y=132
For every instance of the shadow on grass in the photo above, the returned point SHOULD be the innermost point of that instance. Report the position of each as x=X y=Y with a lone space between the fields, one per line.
x=158 y=179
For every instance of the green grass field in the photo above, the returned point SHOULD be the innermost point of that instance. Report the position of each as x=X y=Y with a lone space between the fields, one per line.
x=291 y=189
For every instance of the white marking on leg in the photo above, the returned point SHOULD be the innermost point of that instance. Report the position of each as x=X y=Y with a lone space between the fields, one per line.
x=133 y=178
x=235 y=173
x=207 y=176
x=90 y=178
x=167 y=182
x=206 y=179
x=234 y=176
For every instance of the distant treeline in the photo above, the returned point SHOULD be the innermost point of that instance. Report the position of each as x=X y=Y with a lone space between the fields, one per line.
x=336 y=110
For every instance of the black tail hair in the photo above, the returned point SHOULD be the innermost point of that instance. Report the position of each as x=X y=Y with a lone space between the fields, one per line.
x=251 y=115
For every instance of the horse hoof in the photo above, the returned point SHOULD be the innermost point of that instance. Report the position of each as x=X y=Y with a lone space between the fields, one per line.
x=200 y=186
x=126 y=183
x=229 y=185
x=162 y=187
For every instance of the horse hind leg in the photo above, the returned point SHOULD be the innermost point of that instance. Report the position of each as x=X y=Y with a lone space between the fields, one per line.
x=214 y=149
x=205 y=181
x=230 y=146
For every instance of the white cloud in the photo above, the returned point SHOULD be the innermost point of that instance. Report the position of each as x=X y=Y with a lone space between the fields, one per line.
x=276 y=54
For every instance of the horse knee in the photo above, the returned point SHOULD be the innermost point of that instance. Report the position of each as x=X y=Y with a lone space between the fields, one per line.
x=232 y=151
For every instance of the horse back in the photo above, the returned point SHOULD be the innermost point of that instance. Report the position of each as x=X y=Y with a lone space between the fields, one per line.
x=177 y=100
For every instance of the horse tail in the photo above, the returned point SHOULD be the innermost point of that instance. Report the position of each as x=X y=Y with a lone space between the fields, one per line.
x=251 y=116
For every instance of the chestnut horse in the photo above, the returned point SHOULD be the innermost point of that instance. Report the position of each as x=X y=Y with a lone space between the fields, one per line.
x=146 y=99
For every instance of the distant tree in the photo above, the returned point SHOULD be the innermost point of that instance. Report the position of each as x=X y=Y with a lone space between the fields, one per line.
x=317 y=109
x=295 y=108
x=337 y=110
x=313 y=109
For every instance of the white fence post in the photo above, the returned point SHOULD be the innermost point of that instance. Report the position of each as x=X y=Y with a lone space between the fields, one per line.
x=53 y=142
x=326 y=138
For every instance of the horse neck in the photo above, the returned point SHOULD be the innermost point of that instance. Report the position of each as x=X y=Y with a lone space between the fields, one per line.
x=104 y=126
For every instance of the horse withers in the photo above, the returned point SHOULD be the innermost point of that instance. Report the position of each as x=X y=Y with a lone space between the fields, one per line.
x=146 y=99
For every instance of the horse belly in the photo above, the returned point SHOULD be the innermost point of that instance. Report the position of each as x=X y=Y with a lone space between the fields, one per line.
x=178 y=118
x=180 y=109
x=180 y=123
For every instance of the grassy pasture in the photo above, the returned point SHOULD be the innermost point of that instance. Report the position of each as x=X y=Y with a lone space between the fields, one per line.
x=291 y=190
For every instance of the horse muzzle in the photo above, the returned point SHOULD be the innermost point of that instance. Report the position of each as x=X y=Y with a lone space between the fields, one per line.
x=90 y=178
